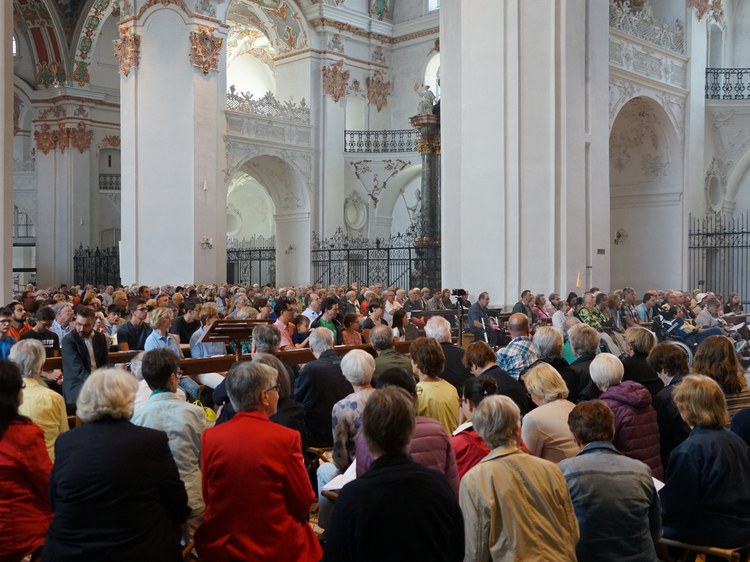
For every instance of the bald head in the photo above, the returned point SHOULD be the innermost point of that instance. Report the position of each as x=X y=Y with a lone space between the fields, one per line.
x=518 y=325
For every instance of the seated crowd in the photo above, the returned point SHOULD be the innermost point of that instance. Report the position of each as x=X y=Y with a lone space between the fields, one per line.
x=573 y=429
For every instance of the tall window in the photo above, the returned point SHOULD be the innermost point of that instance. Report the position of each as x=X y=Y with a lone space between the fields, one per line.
x=433 y=5
x=22 y=225
x=14 y=46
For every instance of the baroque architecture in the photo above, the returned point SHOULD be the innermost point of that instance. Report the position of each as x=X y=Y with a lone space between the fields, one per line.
x=575 y=138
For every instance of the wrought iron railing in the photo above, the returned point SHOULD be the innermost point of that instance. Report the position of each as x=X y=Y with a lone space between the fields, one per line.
x=398 y=261
x=268 y=106
x=719 y=255
x=727 y=83
x=400 y=140
x=96 y=266
x=110 y=182
x=251 y=261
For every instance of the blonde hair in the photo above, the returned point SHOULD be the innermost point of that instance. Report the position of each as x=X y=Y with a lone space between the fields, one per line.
x=159 y=315
x=640 y=339
x=543 y=381
x=701 y=402
x=107 y=393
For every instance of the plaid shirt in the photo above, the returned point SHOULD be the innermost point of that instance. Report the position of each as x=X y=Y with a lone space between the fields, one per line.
x=517 y=356
x=629 y=311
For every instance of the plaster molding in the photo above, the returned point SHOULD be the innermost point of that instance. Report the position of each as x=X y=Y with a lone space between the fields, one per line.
x=648 y=61
x=335 y=80
x=205 y=48
x=128 y=50
x=715 y=185
x=355 y=214
x=640 y=200
x=378 y=90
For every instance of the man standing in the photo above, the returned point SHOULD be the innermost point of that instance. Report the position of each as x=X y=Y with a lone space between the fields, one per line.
x=83 y=350
x=480 y=322
x=320 y=385
x=329 y=319
x=607 y=488
x=520 y=353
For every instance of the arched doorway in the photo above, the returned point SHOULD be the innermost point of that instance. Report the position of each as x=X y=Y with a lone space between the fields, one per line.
x=646 y=185
x=268 y=206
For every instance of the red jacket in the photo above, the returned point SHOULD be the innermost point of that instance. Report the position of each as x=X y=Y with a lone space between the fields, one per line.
x=257 y=493
x=470 y=449
x=25 y=511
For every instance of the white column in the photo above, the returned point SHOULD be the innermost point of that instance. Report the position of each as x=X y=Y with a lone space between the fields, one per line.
x=6 y=150
x=519 y=167
x=293 y=249
x=173 y=193
x=63 y=180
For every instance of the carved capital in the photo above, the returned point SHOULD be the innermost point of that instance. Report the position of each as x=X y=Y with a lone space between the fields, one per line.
x=205 y=49
x=128 y=50
x=48 y=139
x=45 y=138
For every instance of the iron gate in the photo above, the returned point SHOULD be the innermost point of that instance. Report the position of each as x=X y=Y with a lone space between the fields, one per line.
x=96 y=266
x=252 y=261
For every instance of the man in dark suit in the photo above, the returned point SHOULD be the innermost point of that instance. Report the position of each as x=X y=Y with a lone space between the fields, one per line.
x=439 y=329
x=319 y=386
x=83 y=351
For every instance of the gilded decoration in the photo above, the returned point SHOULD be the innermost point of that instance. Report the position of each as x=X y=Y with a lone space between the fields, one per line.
x=704 y=7
x=91 y=27
x=128 y=50
x=48 y=139
x=49 y=73
x=335 y=80
x=112 y=141
x=205 y=49
x=378 y=90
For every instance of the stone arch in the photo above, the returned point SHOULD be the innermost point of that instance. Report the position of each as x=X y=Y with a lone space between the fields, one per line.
x=646 y=197
x=390 y=198
x=87 y=33
x=288 y=190
x=48 y=47
x=281 y=20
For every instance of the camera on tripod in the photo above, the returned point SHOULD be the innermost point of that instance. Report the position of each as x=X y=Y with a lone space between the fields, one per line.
x=459 y=292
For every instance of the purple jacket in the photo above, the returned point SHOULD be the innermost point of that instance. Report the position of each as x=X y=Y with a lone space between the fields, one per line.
x=431 y=447
x=636 y=430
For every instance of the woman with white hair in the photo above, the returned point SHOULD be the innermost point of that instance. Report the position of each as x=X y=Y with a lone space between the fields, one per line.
x=115 y=486
x=545 y=429
x=43 y=406
x=636 y=428
x=535 y=519
x=346 y=418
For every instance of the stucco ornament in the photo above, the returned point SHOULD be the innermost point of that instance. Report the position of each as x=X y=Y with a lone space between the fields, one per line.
x=378 y=90
x=704 y=7
x=205 y=49
x=45 y=138
x=128 y=50
x=335 y=80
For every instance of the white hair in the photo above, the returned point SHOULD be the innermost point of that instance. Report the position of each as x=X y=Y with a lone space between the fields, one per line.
x=321 y=339
x=606 y=370
x=358 y=367
x=107 y=393
x=29 y=355
x=438 y=328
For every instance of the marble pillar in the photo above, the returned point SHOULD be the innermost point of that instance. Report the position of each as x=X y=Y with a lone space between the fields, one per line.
x=6 y=151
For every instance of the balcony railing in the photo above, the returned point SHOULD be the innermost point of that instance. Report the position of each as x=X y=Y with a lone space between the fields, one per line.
x=269 y=107
x=401 y=140
x=110 y=182
x=727 y=83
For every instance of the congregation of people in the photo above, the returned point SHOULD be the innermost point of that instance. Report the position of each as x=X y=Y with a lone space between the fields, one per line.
x=586 y=428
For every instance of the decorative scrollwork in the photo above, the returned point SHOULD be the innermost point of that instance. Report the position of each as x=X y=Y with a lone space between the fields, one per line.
x=269 y=106
x=205 y=49
x=128 y=50
x=640 y=22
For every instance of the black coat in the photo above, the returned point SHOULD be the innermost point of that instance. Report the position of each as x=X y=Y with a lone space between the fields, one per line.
x=455 y=371
x=637 y=369
x=116 y=495
x=319 y=386
x=510 y=387
x=672 y=428
x=396 y=511
x=76 y=362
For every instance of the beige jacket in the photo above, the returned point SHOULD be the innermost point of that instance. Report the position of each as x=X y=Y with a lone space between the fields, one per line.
x=517 y=507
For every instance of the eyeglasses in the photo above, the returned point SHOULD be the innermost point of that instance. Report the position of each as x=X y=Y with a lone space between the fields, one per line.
x=141 y=309
x=273 y=388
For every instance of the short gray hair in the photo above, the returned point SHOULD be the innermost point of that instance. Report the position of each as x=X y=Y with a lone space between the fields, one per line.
x=583 y=339
x=606 y=370
x=107 y=393
x=381 y=338
x=321 y=339
x=438 y=328
x=58 y=308
x=29 y=355
x=497 y=419
x=358 y=367
x=266 y=338
x=246 y=382
x=548 y=342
